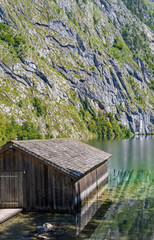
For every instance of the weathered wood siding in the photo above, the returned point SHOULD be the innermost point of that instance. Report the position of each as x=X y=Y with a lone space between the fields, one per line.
x=11 y=190
x=90 y=183
x=27 y=182
x=40 y=187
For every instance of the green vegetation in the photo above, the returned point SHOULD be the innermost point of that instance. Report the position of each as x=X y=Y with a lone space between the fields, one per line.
x=120 y=44
x=139 y=96
x=16 y=42
x=96 y=17
x=38 y=106
x=121 y=52
x=103 y=125
x=10 y=130
x=137 y=41
x=20 y=104
x=143 y=9
x=134 y=44
x=152 y=85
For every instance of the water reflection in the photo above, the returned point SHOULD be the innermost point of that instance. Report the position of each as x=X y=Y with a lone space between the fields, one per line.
x=22 y=226
x=90 y=208
x=136 y=223
x=135 y=153
x=130 y=216
x=121 y=209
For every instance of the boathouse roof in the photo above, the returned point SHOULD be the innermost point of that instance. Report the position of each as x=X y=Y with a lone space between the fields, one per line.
x=72 y=157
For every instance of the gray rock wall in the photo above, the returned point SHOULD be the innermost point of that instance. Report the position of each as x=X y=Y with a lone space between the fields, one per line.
x=77 y=43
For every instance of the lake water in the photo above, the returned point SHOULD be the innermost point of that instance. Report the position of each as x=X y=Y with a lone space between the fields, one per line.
x=122 y=209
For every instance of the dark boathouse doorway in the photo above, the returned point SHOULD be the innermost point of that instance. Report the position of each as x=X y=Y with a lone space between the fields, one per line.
x=11 y=189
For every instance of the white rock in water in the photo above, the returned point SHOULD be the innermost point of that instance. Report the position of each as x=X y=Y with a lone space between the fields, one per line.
x=48 y=225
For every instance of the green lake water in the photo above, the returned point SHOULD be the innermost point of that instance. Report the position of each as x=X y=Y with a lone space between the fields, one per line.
x=121 y=209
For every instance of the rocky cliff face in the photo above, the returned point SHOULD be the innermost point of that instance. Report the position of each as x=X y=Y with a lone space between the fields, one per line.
x=73 y=49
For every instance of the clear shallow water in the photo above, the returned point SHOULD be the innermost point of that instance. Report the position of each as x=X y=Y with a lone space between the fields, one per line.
x=122 y=209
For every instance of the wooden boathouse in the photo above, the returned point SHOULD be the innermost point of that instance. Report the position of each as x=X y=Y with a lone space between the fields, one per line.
x=50 y=175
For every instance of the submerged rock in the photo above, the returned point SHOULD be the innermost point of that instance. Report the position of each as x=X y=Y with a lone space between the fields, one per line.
x=42 y=229
x=49 y=225
x=48 y=231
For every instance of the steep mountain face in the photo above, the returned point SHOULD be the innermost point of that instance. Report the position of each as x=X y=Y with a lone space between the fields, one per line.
x=56 y=53
x=144 y=9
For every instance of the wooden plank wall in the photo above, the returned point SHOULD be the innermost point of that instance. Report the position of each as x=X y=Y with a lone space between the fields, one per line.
x=89 y=184
x=9 y=194
x=44 y=189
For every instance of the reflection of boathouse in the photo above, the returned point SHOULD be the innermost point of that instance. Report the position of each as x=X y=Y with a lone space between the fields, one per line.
x=50 y=175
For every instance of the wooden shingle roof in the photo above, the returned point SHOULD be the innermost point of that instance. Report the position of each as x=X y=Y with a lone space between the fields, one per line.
x=69 y=156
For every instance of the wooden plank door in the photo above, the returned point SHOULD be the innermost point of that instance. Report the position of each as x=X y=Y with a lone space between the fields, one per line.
x=11 y=189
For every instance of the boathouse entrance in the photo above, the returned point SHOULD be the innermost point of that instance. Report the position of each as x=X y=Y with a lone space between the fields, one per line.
x=11 y=189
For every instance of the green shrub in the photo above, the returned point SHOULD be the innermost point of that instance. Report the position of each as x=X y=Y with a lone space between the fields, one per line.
x=16 y=41
x=92 y=68
x=38 y=105
x=120 y=44
x=42 y=58
x=28 y=131
x=20 y=104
